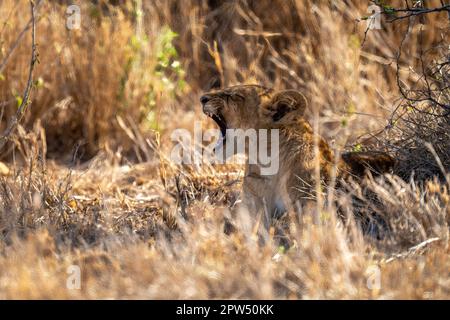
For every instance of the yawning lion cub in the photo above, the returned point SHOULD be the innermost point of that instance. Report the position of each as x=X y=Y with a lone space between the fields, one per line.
x=256 y=107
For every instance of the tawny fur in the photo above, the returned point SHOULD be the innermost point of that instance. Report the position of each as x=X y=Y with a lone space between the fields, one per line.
x=252 y=106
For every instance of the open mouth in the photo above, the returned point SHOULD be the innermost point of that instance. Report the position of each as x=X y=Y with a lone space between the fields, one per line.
x=220 y=121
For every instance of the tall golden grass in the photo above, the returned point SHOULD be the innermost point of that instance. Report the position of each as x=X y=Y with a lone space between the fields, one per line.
x=90 y=183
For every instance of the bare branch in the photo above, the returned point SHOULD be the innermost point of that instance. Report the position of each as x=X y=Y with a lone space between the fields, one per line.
x=17 y=42
x=26 y=95
x=409 y=12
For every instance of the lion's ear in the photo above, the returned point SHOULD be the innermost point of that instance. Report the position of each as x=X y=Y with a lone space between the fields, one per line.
x=285 y=103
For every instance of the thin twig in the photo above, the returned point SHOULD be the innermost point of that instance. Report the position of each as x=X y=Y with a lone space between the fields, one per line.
x=26 y=95
x=16 y=43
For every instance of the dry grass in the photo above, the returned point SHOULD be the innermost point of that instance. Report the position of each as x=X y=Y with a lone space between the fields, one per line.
x=89 y=183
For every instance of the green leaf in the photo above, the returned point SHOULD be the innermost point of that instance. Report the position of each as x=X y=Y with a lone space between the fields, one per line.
x=19 y=101
x=357 y=148
x=39 y=83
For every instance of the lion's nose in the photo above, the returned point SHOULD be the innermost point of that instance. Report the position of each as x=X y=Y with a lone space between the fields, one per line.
x=204 y=99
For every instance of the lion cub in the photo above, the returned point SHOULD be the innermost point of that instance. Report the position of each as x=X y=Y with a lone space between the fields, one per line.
x=255 y=107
